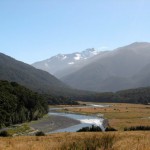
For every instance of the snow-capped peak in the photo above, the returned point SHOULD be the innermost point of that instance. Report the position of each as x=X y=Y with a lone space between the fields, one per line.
x=77 y=56
x=89 y=53
x=62 y=61
x=61 y=56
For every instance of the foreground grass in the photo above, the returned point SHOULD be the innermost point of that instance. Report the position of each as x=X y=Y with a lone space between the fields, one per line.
x=80 y=141
x=121 y=115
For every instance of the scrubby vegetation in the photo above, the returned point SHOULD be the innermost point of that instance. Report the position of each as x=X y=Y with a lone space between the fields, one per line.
x=137 y=128
x=19 y=104
x=110 y=129
x=22 y=129
x=4 y=133
x=40 y=133
x=90 y=129
x=95 y=129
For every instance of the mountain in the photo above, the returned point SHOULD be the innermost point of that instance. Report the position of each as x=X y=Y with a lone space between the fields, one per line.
x=142 y=78
x=64 y=64
x=115 y=70
x=34 y=79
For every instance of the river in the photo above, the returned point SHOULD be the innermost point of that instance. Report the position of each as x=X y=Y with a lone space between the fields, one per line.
x=85 y=120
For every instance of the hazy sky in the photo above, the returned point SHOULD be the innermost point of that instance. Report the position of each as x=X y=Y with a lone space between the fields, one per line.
x=33 y=30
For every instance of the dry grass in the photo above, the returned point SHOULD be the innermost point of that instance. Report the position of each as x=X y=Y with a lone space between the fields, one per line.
x=121 y=115
x=122 y=141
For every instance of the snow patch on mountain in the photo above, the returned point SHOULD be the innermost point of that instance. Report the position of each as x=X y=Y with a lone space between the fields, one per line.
x=60 y=62
x=77 y=56
x=60 y=57
x=64 y=57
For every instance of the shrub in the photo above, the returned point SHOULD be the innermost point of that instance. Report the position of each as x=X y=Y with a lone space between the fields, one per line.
x=137 y=128
x=90 y=129
x=4 y=133
x=110 y=129
x=40 y=133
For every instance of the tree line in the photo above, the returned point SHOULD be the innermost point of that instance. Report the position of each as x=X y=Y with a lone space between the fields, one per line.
x=19 y=104
x=138 y=96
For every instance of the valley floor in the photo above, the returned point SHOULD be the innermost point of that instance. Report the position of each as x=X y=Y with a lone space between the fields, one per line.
x=120 y=115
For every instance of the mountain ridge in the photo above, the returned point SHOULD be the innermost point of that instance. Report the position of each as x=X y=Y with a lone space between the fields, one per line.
x=56 y=64
x=107 y=71
x=120 y=67
x=26 y=75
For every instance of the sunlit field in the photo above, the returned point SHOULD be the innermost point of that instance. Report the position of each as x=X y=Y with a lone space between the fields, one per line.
x=121 y=115
x=63 y=141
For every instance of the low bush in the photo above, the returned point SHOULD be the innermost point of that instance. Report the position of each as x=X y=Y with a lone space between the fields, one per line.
x=4 y=133
x=137 y=128
x=40 y=133
x=110 y=129
x=90 y=129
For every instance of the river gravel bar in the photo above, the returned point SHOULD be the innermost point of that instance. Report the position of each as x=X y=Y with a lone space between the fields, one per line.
x=52 y=123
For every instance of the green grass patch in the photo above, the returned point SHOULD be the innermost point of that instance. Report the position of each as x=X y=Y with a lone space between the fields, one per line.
x=19 y=129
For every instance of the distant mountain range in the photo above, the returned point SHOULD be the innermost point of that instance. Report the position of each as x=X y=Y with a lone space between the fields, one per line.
x=123 y=68
x=64 y=64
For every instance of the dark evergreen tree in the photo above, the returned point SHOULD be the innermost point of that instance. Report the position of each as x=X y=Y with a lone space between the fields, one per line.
x=19 y=104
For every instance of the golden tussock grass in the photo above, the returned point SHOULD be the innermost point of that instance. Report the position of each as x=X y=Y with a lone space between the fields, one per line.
x=80 y=141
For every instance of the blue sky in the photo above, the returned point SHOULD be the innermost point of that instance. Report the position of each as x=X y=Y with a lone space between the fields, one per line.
x=33 y=30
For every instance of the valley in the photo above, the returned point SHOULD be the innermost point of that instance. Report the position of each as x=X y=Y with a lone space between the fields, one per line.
x=74 y=75
x=119 y=116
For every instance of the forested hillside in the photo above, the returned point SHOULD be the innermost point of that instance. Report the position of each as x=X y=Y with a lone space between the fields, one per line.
x=37 y=80
x=26 y=75
x=139 y=95
x=19 y=104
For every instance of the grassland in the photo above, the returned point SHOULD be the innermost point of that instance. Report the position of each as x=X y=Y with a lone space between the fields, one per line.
x=120 y=115
x=80 y=141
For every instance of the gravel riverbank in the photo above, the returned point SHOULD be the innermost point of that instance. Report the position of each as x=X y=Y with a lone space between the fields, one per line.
x=52 y=123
